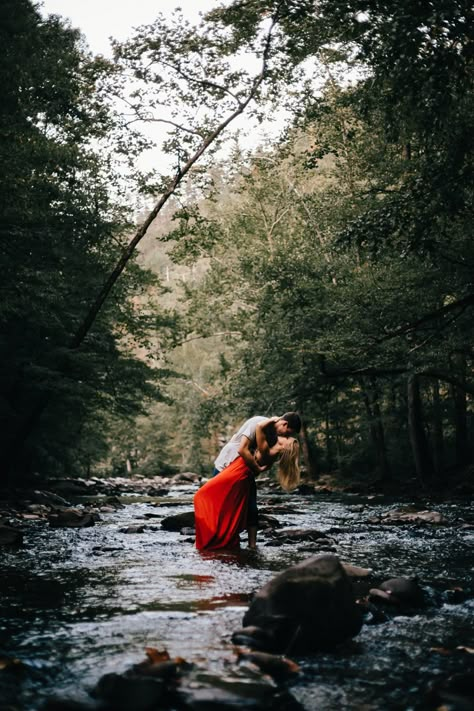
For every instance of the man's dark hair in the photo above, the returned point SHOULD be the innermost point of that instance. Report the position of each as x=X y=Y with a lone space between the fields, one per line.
x=293 y=419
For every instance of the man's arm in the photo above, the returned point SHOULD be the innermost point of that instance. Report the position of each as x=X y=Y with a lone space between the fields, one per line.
x=248 y=456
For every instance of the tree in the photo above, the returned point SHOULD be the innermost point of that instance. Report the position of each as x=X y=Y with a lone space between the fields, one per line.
x=61 y=232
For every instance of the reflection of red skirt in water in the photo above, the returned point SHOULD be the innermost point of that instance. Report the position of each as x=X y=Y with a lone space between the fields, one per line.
x=220 y=507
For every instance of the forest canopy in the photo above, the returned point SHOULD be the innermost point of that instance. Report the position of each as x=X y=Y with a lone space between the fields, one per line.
x=328 y=271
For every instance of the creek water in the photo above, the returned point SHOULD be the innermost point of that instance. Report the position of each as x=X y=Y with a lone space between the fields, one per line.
x=79 y=603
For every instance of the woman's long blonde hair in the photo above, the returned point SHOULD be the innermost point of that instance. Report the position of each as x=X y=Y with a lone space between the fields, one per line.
x=289 y=466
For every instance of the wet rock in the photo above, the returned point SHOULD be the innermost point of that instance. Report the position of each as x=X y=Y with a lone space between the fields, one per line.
x=298 y=535
x=71 y=518
x=305 y=489
x=71 y=486
x=146 y=686
x=178 y=521
x=185 y=478
x=278 y=509
x=123 y=693
x=48 y=498
x=114 y=501
x=354 y=571
x=373 y=615
x=455 y=595
x=58 y=704
x=308 y=607
x=106 y=549
x=398 y=591
x=266 y=522
x=39 y=509
x=317 y=547
x=153 y=491
x=254 y=637
x=10 y=536
x=416 y=517
x=244 y=690
x=455 y=693
x=276 y=665
x=134 y=528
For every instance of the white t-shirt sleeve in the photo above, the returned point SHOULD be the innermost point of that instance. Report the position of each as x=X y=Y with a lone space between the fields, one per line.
x=231 y=449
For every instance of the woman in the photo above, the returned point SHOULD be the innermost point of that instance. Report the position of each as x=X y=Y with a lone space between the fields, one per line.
x=221 y=505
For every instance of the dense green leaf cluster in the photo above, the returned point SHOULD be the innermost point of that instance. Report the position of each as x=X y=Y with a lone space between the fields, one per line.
x=60 y=233
x=344 y=257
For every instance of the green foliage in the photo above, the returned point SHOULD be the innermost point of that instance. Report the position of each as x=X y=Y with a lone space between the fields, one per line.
x=61 y=234
x=320 y=318
x=335 y=264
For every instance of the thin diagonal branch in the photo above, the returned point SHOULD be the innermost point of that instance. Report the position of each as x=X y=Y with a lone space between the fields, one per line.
x=96 y=306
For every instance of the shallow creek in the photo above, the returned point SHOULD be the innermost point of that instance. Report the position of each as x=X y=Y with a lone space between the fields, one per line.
x=79 y=603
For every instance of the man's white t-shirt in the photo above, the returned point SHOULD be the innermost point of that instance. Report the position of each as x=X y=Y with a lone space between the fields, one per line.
x=231 y=450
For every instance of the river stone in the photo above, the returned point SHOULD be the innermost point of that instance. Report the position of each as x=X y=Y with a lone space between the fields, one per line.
x=305 y=489
x=317 y=547
x=417 y=517
x=266 y=522
x=114 y=501
x=298 y=535
x=71 y=518
x=124 y=693
x=49 y=498
x=247 y=691
x=184 y=478
x=399 y=591
x=354 y=571
x=276 y=665
x=63 y=704
x=133 y=528
x=71 y=486
x=455 y=692
x=10 y=536
x=154 y=491
x=308 y=607
x=178 y=521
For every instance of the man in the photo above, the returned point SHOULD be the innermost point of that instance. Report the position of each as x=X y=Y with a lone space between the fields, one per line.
x=243 y=443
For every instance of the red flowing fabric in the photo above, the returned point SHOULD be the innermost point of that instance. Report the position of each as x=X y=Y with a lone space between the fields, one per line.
x=220 y=507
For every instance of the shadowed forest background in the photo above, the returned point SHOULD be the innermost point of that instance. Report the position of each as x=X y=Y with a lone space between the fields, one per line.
x=329 y=271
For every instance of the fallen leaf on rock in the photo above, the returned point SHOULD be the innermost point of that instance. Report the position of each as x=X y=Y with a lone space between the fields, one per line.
x=468 y=650
x=441 y=650
x=10 y=663
x=156 y=656
x=275 y=665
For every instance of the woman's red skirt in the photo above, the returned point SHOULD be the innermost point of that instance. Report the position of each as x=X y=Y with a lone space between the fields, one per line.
x=220 y=507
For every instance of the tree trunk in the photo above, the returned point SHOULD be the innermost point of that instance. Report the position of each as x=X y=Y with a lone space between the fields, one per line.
x=376 y=428
x=328 y=440
x=308 y=456
x=419 y=443
x=438 y=438
x=463 y=454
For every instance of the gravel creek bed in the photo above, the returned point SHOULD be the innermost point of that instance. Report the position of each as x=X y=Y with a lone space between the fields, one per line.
x=78 y=603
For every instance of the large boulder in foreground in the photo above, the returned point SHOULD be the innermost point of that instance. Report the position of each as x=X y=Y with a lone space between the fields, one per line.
x=308 y=607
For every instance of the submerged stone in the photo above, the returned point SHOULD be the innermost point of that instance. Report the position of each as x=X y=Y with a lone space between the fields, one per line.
x=308 y=607
x=10 y=536
x=179 y=521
